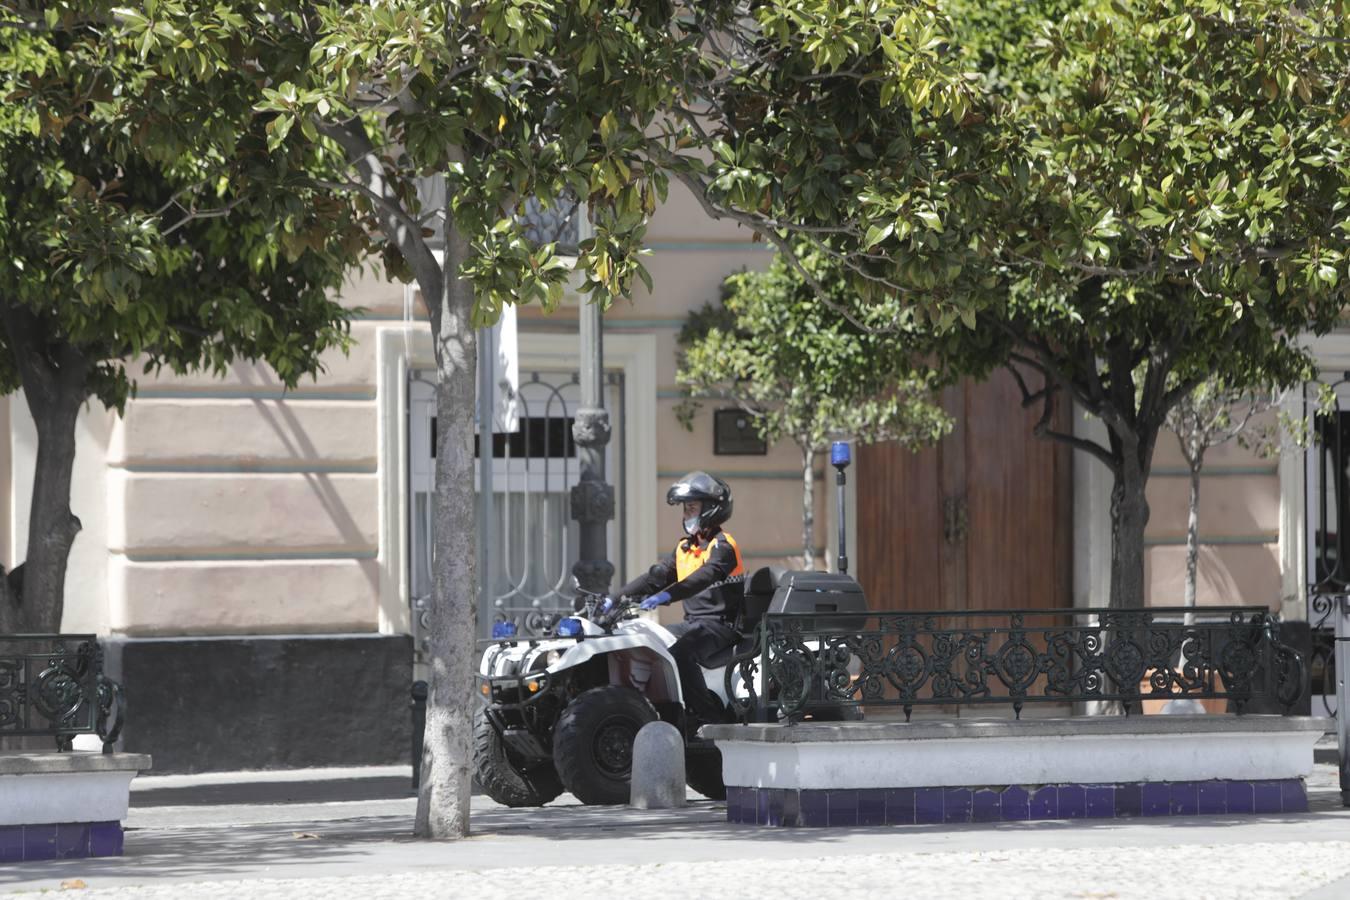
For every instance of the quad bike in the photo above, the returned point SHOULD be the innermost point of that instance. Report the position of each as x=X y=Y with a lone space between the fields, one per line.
x=562 y=711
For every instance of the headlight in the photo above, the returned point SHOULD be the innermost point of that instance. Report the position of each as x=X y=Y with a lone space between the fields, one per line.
x=543 y=660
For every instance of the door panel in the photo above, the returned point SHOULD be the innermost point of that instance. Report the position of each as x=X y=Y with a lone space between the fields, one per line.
x=981 y=521
x=1017 y=485
x=899 y=542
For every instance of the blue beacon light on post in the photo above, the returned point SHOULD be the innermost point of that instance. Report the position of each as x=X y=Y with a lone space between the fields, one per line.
x=840 y=454
x=503 y=630
x=568 y=628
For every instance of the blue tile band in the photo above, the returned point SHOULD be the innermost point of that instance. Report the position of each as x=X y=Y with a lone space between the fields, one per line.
x=69 y=840
x=1013 y=803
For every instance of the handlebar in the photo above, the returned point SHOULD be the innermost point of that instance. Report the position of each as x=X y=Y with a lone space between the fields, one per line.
x=589 y=606
x=588 y=603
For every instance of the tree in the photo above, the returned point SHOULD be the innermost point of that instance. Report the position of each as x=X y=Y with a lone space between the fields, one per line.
x=1169 y=180
x=1212 y=415
x=141 y=224
x=802 y=372
x=787 y=116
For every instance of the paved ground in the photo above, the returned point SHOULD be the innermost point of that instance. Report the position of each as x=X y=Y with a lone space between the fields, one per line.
x=344 y=833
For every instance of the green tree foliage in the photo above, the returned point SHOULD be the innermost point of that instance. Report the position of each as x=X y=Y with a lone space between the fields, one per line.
x=802 y=371
x=1170 y=183
x=144 y=224
x=788 y=115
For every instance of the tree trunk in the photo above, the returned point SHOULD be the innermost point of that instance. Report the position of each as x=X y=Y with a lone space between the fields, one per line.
x=1192 y=542
x=808 y=508
x=53 y=379
x=52 y=526
x=1129 y=518
x=1133 y=450
x=443 y=798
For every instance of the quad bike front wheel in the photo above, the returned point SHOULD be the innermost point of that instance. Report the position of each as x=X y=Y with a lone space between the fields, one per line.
x=593 y=743
x=501 y=778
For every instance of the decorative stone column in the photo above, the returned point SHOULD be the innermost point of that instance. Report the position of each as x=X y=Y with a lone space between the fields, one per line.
x=592 y=498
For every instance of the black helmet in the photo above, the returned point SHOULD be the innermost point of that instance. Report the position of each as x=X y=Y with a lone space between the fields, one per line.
x=711 y=490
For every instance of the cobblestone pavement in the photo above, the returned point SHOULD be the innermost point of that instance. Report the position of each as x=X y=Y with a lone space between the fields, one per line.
x=334 y=834
x=1202 y=871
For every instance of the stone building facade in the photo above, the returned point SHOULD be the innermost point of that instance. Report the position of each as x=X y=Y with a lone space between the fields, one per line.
x=251 y=554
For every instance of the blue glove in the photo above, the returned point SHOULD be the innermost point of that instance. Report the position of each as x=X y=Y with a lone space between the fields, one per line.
x=607 y=605
x=656 y=600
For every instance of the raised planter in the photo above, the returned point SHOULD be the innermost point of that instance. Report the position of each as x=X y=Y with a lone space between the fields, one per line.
x=64 y=805
x=968 y=770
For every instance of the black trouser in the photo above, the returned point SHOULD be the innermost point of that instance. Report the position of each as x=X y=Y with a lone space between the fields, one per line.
x=698 y=639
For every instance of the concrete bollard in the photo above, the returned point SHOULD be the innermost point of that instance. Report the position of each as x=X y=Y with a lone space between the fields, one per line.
x=658 y=767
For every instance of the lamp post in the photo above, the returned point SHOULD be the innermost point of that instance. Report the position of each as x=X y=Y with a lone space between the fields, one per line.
x=592 y=498
x=487 y=394
x=1343 y=694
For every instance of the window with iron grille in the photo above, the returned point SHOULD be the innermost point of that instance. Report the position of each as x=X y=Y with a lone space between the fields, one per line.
x=734 y=434
x=534 y=537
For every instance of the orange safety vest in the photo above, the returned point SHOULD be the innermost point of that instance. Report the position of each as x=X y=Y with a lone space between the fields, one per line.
x=690 y=557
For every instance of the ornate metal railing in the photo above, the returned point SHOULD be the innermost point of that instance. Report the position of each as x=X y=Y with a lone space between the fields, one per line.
x=1325 y=610
x=54 y=685
x=1331 y=654
x=1328 y=484
x=817 y=663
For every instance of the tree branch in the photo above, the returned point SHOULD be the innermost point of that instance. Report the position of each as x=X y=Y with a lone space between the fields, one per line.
x=1045 y=363
x=1042 y=427
x=1029 y=398
x=393 y=210
x=1087 y=446
x=194 y=215
x=399 y=228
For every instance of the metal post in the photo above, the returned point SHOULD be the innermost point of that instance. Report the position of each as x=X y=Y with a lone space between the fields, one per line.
x=843 y=544
x=1343 y=693
x=487 y=395
x=419 y=729
x=840 y=457
x=762 y=706
x=592 y=498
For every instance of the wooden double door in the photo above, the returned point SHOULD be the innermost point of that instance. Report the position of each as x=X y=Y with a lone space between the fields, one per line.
x=982 y=520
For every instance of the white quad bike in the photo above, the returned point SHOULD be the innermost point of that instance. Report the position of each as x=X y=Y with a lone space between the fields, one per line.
x=562 y=711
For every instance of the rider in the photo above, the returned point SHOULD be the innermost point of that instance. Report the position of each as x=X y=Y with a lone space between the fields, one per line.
x=704 y=558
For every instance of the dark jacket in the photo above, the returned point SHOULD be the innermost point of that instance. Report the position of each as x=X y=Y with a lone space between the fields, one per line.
x=695 y=590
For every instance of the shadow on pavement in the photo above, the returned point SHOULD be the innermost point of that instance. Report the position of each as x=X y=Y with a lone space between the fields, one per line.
x=365 y=844
x=189 y=854
x=388 y=787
